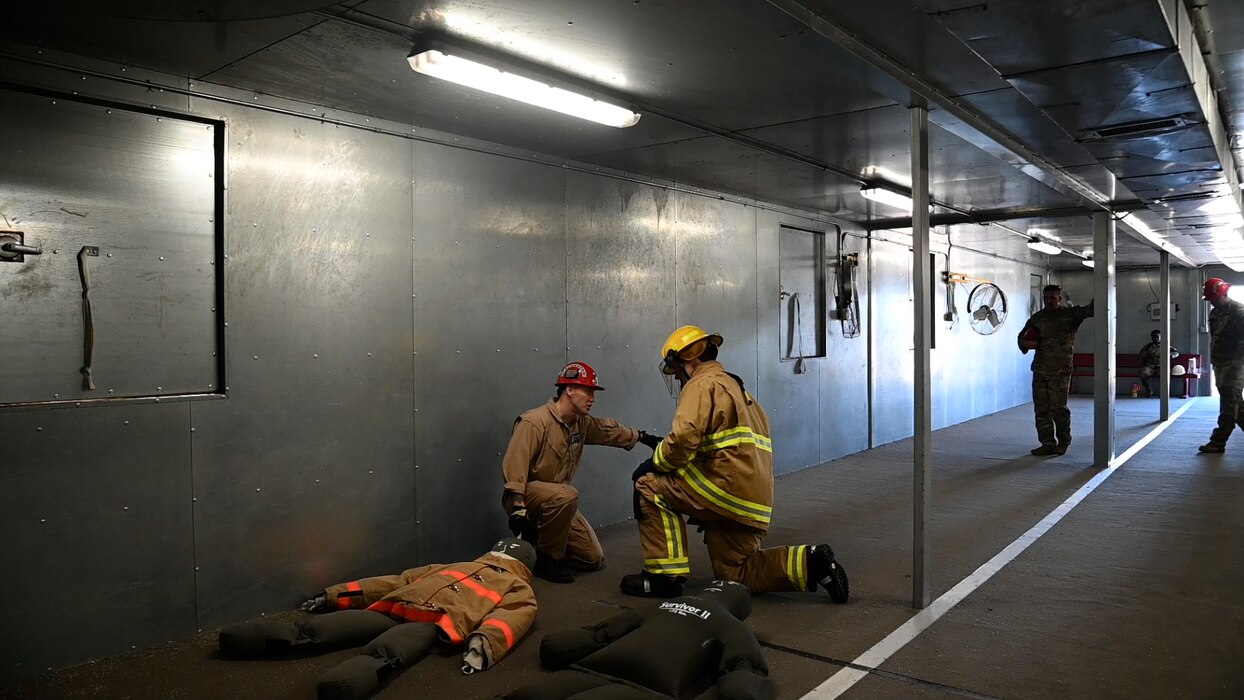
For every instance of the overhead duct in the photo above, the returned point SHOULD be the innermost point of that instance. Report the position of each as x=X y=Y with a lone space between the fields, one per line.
x=1147 y=127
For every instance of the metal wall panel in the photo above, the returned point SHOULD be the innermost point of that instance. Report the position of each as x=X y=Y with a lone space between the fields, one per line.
x=303 y=477
x=98 y=543
x=620 y=309
x=974 y=374
x=892 y=340
x=716 y=275
x=791 y=400
x=844 y=381
x=490 y=319
x=139 y=187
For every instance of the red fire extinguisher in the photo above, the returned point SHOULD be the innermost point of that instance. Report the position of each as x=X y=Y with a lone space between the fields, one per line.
x=1135 y=390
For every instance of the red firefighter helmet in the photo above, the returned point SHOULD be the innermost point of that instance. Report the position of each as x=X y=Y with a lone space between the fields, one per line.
x=1215 y=289
x=578 y=374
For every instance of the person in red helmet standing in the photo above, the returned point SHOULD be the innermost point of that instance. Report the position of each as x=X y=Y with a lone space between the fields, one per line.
x=543 y=456
x=1226 y=355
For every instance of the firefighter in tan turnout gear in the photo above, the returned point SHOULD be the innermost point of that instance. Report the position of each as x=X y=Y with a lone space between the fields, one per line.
x=543 y=456
x=716 y=466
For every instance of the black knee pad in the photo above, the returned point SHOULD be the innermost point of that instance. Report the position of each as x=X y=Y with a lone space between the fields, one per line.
x=403 y=644
x=252 y=639
x=353 y=679
x=346 y=628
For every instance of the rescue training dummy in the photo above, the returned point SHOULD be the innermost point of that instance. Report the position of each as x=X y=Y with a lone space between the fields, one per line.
x=485 y=606
x=674 y=650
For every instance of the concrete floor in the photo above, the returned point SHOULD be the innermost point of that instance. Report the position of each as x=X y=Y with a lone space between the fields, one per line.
x=1131 y=595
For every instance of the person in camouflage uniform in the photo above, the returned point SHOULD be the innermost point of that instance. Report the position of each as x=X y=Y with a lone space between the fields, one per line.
x=1151 y=359
x=1052 y=333
x=1226 y=356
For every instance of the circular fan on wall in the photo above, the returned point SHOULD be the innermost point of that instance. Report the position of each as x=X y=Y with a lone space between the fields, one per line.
x=987 y=308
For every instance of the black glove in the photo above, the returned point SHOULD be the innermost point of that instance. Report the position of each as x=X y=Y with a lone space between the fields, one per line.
x=645 y=467
x=518 y=521
x=649 y=439
x=314 y=605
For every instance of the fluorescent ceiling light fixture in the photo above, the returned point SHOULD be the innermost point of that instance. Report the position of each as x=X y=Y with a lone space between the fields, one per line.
x=890 y=197
x=473 y=74
x=1043 y=247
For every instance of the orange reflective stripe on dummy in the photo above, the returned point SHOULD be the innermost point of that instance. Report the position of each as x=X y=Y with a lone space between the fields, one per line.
x=447 y=626
x=467 y=581
x=343 y=602
x=505 y=629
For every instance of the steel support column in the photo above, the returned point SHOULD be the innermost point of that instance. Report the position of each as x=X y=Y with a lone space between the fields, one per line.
x=1104 y=312
x=1164 y=376
x=922 y=423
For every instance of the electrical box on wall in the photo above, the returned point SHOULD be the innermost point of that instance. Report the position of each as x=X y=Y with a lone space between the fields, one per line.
x=1155 y=310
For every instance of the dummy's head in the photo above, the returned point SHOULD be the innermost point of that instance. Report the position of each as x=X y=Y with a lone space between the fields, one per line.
x=733 y=595
x=1156 y=336
x=518 y=549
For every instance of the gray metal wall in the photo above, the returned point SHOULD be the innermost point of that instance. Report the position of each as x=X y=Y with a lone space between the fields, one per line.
x=392 y=305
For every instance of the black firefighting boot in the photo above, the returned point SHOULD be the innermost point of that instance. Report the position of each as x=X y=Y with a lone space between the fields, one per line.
x=551 y=569
x=826 y=572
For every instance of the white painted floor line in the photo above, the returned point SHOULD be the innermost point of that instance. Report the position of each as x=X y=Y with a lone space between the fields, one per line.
x=842 y=681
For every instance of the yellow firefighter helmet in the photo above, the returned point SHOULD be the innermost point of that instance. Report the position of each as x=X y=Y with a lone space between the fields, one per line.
x=686 y=343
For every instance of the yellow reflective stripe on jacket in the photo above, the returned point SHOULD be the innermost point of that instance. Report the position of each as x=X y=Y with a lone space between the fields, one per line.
x=730 y=502
x=741 y=435
x=660 y=461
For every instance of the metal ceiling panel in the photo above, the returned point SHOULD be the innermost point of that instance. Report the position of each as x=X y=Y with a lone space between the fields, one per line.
x=900 y=31
x=1017 y=36
x=671 y=54
x=187 y=49
x=361 y=70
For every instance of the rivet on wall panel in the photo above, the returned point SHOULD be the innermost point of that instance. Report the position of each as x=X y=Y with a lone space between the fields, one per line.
x=315 y=356
x=56 y=396
x=209 y=386
x=39 y=429
x=371 y=471
x=369 y=354
x=159 y=388
x=125 y=508
x=161 y=257
x=192 y=430
x=226 y=326
x=256 y=490
x=42 y=520
x=55 y=251
x=110 y=255
x=256 y=357
x=498 y=349
x=77 y=404
x=113 y=390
